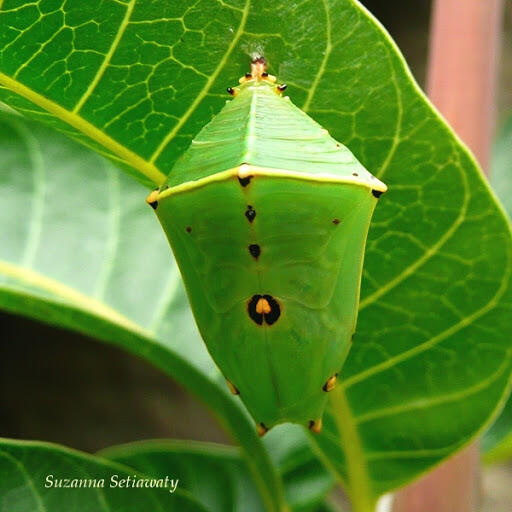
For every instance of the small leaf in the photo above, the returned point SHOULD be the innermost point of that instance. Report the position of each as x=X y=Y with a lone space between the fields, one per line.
x=34 y=478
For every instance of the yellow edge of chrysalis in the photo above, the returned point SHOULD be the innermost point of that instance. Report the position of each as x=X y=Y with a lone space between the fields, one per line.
x=246 y=170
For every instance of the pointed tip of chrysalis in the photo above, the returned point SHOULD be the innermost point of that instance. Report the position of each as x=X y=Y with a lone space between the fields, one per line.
x=258 y=71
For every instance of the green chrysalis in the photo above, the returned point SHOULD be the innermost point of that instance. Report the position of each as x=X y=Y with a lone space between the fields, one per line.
x=267 y=216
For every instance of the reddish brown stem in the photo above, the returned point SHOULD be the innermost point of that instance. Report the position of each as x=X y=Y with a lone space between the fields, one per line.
x=465 y=37
x=452 y=487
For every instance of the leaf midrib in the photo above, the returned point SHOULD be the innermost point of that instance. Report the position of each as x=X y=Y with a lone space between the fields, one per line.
x=70 y=296
x=325 y=59
x=147 y=169
x=108 y=57
x=211 y=79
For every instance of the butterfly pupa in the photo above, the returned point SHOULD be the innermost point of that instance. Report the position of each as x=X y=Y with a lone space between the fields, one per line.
x=267 y=216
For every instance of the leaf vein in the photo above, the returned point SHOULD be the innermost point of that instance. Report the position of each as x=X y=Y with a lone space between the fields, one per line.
x=108 y=57
x=40 y=505
x=434 y=340
x=427 y=255
x=323 y=64
x=438 y=400
x=146 y=168
x=112 y=243
x=184 y=118
x=35 y=223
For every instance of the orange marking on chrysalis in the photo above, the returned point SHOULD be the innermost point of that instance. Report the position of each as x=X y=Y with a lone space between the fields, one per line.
x=232 y=388
x=261 y=429
x=330 y=383
x=263 y=307
x=315 y=425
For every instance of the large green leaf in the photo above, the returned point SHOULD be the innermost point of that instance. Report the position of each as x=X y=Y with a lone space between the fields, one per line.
x=431 y=359
x=431 y=362
x=134 y=78
x=80 y=248
x=31 y=472
x=497 y=442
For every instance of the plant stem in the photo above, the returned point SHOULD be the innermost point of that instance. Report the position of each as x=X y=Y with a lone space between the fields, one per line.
x=464 y=43
x=359 y=487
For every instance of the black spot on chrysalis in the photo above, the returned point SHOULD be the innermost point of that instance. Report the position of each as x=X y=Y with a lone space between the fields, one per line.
x=248 y=75
x=231 y=91
x=275 y=310
x=153 y=204
x=282 y=87
x=377 y=193
x=271 y=316
x=251 y=309
x=336 y=221
x=245 y=181
x=255 y=250
x=250 y=213
x=264 y=74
